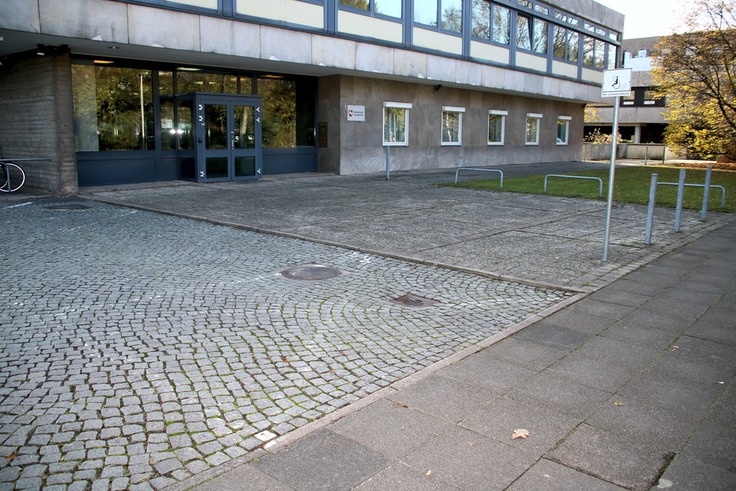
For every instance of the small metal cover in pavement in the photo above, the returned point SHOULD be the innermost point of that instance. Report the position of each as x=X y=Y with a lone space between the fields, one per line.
x=311 y=272
x=411 y=300
x=69 y=206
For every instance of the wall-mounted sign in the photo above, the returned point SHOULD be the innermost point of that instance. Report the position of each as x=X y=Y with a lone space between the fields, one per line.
x=356 y=113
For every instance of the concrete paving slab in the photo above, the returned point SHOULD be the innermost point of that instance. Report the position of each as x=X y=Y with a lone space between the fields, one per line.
x=401 y=477
x=470 y=461
x=530 y=355
x=485 y=370
x=501 y=417
x=593 y=372
x=576 y=320
x=391 y=428
x=560 y=394
x=671 y=392
x=686 y=472
x=552 y=476
x=554 y=336
x=637 y=334
x=245 y=477
x=323 y=461
x=601 y=454
x=445 y=398
x=639 y=421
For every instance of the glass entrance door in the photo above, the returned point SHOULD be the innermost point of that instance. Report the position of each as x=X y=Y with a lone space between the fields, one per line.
x=229 y=139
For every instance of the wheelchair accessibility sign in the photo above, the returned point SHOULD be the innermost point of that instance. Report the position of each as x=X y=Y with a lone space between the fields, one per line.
x=616 y=83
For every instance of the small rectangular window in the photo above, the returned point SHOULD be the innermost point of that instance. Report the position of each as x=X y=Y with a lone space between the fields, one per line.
x=396 y=124
x=452 y=125
x=563 y=129
x=496 y=126
x=531 y=136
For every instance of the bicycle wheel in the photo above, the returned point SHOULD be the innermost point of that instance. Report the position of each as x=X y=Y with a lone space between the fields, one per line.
x=12 y=177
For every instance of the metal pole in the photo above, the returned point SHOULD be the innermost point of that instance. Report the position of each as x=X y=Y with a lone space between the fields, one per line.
x=680 y=195
x=611 y=173
x=388 y=165
x=650 y=210
x=706 y=194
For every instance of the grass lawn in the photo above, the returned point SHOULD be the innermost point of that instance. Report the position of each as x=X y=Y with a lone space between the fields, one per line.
x=631 y=186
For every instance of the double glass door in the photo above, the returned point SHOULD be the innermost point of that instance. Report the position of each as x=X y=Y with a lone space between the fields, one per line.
x=228 y=137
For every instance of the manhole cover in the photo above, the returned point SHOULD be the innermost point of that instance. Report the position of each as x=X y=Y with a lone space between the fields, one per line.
x=311 y=272
x=70 y=206
x=411 y=300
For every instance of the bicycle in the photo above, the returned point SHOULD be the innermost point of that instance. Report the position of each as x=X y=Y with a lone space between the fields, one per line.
x=12 y=176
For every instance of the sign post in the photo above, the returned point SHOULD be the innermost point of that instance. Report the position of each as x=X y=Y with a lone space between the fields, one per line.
x=616 y=83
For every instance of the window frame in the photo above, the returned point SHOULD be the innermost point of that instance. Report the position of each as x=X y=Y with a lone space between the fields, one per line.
x=406 y=108
x=452 y=110
x=502 y=115
x=563 y=121
x=537 y=119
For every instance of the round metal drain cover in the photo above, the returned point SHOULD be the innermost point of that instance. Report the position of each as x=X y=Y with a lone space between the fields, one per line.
x=70 y=206
x=311 y=272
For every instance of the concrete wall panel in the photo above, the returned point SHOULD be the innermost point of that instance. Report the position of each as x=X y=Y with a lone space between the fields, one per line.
x=284 y=45
x=230 y=38
x=86 y=19
x=290 y=11
x=20 y=15
x=333 y=52
x=163 y=28
x=370 y=27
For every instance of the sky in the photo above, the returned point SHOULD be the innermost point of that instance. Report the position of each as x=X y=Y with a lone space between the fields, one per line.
x=645 y=18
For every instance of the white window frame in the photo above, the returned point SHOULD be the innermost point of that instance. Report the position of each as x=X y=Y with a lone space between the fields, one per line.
x=459 y=111
x=397 y=105
x=537 y=123
x=503 y=114
x=566 y=121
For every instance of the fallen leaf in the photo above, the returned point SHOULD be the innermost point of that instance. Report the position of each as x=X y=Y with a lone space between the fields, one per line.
x=520 y=433
x=618 y=403
x=11 y=456
x=400 y=405
x=429 y=472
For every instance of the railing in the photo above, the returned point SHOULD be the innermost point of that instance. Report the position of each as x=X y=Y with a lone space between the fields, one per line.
x=479 y=169
x=600 y=190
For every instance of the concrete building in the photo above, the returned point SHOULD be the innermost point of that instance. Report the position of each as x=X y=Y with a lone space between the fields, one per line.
x=125 y=91
x=641 y=115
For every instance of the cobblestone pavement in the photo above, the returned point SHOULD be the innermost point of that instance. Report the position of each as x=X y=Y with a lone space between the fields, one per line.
x=140 y=349
x=542 y=239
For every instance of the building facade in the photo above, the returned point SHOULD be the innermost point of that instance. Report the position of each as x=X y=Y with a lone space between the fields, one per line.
x=641 y=115
x=126 y=91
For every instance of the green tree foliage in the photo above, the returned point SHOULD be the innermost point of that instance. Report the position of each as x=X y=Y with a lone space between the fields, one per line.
x=696 y=72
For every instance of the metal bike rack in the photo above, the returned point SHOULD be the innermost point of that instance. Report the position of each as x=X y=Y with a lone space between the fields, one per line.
x=687 y=185
x=600 y=190
x=479 y=170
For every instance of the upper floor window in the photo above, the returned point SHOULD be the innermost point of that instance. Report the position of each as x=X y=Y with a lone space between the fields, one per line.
x=566 y=44
x=390 y=8
x=594 y=52
x=447 y=14
x=452 y=125
x=491 y=21
x=500 y=24
x=531 y=34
